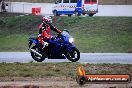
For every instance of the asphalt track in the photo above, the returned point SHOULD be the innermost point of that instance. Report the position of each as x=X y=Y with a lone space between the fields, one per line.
x=24 y=57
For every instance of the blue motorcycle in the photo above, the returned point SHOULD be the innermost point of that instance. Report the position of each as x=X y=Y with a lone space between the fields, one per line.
x=60 y=47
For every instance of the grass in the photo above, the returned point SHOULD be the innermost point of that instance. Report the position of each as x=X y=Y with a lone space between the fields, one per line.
x=100 y=34
x=92 y=34
x=14 y=43
x=60 y=69
x=35 y=69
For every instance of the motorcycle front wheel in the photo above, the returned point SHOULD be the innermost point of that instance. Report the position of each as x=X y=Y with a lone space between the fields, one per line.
x=35 y=56
x=73 y=56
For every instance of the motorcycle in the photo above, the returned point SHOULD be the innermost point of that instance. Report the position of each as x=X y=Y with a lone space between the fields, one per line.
x=60 y=47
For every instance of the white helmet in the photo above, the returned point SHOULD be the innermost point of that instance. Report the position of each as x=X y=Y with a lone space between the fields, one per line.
x=47 y=20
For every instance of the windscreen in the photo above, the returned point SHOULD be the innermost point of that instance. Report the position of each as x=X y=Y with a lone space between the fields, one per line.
x=65 y=33
x=90 y=1
x=94 y=0
x=87 y=1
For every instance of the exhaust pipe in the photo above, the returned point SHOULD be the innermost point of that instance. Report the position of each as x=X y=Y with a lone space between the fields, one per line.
x=35 y=52
x=64 y=56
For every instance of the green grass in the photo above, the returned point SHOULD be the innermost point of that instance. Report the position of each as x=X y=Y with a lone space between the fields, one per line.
x=100 y=34
x=36 y=69
x=92 y=34
x=14 y=43
x=60 y=69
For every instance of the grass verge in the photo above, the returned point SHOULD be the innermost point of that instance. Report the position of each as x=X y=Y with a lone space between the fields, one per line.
x=92 y=34
x=40 y=70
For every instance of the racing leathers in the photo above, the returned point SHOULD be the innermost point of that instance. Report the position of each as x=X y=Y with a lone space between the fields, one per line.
x=45 y=33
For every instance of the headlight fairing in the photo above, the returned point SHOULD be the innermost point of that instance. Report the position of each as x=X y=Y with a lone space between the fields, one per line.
x=71 y=40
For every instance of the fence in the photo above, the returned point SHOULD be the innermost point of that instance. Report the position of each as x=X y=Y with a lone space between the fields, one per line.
x=46 y=8
x=23 y=7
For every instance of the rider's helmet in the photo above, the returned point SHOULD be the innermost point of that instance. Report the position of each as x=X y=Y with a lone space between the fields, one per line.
x=47 y=20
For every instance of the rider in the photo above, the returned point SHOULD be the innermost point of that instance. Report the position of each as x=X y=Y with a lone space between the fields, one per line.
x=44 y=31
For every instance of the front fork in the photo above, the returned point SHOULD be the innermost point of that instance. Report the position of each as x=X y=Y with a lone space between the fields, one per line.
x=69 y=49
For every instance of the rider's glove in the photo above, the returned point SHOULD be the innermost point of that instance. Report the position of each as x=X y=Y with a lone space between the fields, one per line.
x=46 y=44
x=59 y=34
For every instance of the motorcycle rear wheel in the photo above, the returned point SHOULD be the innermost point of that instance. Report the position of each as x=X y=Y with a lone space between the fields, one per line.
x=36 y=57
x=72 y=57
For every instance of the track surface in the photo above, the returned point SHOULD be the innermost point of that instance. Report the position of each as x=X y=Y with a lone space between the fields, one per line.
x=24 y=57
x=60 y=84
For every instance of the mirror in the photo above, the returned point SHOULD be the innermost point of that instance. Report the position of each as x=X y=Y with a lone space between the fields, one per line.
x=56 y=2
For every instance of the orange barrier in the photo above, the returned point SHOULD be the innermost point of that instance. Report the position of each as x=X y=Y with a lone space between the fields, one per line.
x=36 y=11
